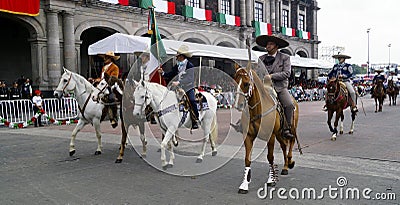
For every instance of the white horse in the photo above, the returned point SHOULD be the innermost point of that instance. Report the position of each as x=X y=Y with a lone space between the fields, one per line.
x=166 y=102
x=87 y=97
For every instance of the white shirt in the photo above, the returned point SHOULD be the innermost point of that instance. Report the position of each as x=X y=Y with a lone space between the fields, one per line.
x=37 y=100
x=393 y=77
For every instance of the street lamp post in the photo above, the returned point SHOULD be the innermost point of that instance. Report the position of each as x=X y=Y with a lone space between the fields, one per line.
x=389 y=53
x=368 y=29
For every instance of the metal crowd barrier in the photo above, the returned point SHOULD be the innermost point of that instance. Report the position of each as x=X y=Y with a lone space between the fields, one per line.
x=19 y=111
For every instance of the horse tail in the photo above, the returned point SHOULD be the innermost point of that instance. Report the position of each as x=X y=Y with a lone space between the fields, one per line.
x=214 y=129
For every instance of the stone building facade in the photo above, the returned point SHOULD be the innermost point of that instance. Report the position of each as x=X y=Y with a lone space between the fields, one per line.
x=39 y=47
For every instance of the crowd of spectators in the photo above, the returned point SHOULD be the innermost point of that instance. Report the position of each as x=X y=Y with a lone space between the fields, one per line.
x=20 y=89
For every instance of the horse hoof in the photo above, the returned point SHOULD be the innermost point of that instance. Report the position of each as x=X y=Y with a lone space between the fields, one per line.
x=271 y=184
x=118 y=161
x=341 y=132
x=284 y=172
x=97 y=153
x=242 y=191
x=198 y=160
x=291 y=165
x=214 y=153
x=376 y=111
x=143 y=155
x=176 y=143
x=333 y=138
x=71 y=153
x=350 y=132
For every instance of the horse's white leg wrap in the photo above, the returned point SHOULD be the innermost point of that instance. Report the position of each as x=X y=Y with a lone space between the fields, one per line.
x=352 y=126
x=171 y=153
x=246 y=179
x=341 y=126
x=164 y=145
x=77 y=128
x=272 y=175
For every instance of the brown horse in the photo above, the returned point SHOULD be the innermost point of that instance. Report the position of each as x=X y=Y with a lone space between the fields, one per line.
x=338 y=99
x=379 y=95
x=392 y=92
x=117 y=87
x=263 y=120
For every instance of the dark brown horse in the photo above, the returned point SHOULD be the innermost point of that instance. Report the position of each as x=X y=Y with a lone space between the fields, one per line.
x=392 y=92
x=263 y=120
x=117 y=87
x=338 y=99
x=379 y=95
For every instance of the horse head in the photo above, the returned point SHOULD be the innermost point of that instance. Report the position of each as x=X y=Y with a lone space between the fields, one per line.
x=333 y=88
x=245 y=82
x=65 y=85
x=103 y=90
x=142 y=98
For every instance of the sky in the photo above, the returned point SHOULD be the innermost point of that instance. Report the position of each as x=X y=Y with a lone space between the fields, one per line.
x=344 y=23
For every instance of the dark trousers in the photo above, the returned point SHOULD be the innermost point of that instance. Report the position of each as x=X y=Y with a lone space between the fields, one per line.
x=192 y=99
x=39 y=118
x=112 y=109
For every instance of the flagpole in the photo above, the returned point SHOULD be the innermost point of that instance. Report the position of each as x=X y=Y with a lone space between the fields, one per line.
x=155 y=34
x=199 y=72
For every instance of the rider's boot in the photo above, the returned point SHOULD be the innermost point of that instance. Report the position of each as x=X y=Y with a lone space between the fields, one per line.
x=288 y=133
x=324 y=108
x=112 y=114
x=238 y=126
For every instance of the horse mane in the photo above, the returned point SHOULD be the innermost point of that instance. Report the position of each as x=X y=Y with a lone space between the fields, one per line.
x=88 y=86
x=257 y=81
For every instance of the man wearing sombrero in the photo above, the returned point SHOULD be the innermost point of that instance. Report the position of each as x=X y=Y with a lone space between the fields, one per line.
x=377 y=77
x=279 y=69
x=345 y=72
x=112 y=70
x=185 y=72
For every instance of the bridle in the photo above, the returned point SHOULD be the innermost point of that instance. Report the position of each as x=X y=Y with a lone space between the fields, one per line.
x=65 y=86
x=249 y=92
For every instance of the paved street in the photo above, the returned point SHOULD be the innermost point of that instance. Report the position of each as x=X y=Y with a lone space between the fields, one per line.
x=35 y=167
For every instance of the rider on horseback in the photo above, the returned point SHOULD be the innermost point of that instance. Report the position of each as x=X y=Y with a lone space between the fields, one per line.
x=344 y=71
x=377 y=77
x=185 y=72
x=279 y=69
x=112 y=70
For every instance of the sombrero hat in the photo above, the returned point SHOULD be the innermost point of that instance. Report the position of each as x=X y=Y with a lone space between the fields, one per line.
x=337 y=56
x=110 y=54
x=183 y=50
x=379 y=70
x=264 y=39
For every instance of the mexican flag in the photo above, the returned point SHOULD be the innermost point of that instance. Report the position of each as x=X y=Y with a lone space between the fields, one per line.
x=288 y=31
x=228 y=19
x=197 y=13
x=262 y=28
x=122 y=2
x=158 y=53
x=303 y=34
x=26 y=7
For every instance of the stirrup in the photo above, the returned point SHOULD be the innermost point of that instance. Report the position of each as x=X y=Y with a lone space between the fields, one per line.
x=287 y=134
x=354 y=109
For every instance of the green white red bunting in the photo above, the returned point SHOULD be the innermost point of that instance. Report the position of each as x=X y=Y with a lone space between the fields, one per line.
x=228 y=19
x=303 y=34
x=288 y=31
x=197 y=13
x=164 y=6
x=122 y=2
x=262 y=28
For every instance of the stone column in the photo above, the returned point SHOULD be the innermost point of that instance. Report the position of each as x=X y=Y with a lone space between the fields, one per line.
x=233 y=7
x=278 y=15
x=243 y=12
x=273 y=16
x=69 y=42
x=203 y=4
x=39 y=70
x=267 y=11
x=249 y=11
x=53 y=48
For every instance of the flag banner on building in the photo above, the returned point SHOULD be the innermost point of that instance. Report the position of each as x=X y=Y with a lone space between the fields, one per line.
x=303 y=34
x=228 y=19
x=159 y=5
x=27 y=7
x=157 y=50
x=122 y=2
x=262 y=28
x=288 y=31
x=197 y=13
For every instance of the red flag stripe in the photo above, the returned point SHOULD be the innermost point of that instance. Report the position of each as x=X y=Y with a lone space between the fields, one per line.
x=171 y=7
x=208 y=15
x=28 y=7
x=237 y=20
x=124 y=2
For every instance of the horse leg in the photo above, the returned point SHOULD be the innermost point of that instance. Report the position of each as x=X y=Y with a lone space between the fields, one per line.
x=171 y=154
x=143 y=138
x=272 y=176
x=96 y=124
x=341 y=122
x=289 y=156
x=380 y=104
x=77 y=128
x=164 y=144
x=214 y=136
x=206 y=125
x=330 y=115
x=376 y=105
x=284 y=146
x=244 y=187
x=123 y=142
x=353 y=117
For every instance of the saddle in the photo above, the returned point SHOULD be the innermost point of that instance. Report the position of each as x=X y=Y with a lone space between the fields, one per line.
x=184 y=102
